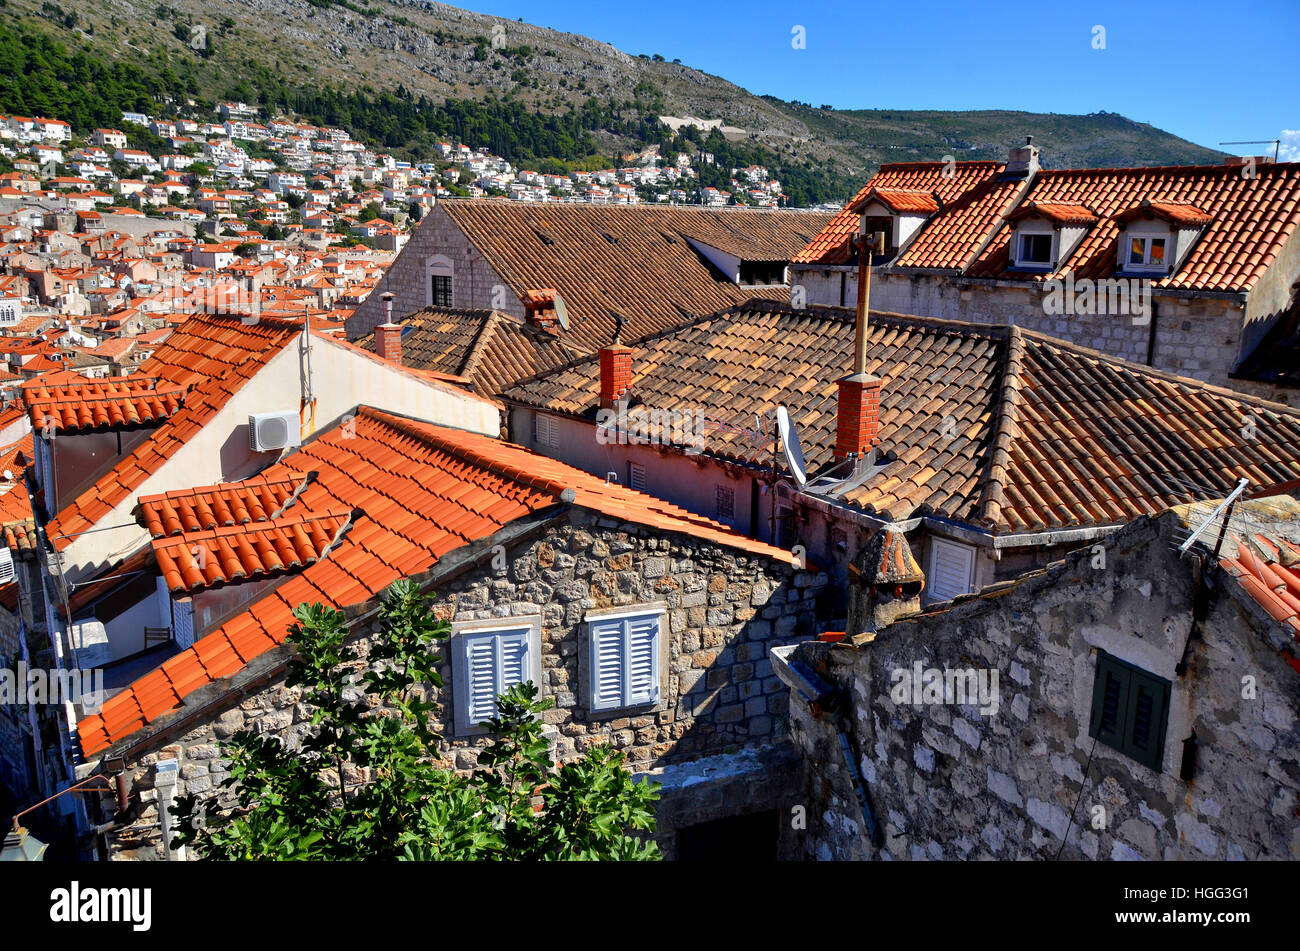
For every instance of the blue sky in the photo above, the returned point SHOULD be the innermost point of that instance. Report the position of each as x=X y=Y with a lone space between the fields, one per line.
x=1208 y=72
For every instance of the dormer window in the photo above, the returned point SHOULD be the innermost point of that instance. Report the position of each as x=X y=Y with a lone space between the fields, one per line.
x=1147 y=252
x=1035 y=250
x=1156 y=237
x=898 y=213
x=1046 y=233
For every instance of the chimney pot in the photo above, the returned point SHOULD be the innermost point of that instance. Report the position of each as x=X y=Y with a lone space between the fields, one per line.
x=388 y=342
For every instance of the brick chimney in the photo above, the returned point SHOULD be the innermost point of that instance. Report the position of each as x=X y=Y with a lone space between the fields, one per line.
x=857 y=418
x=388 y=342
x=541 y=311
x=615 y=373
x=857 y=421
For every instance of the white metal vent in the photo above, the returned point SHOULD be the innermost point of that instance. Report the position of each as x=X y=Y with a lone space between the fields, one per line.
x=6 y=565
x=268 y=432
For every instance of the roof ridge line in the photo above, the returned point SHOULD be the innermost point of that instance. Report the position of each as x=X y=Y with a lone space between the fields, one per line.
x=1005 y=428
x=486 y=330
x=416 y=429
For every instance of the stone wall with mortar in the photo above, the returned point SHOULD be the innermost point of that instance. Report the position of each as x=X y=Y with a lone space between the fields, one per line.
x=1196 y=337
x=951 y=782
x=725 y=609
x=475 y=283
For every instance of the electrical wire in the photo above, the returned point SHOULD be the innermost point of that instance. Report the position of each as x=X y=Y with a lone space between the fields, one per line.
x=1068 y=825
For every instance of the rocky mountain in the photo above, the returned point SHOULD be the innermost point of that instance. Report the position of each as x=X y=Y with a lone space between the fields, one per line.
x=414 y=49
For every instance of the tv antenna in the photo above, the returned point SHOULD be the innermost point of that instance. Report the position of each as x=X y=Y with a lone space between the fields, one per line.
x=1276 y=143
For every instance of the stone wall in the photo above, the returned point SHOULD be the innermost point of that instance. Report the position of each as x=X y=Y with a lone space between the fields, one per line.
x=1198 y=337
x=950 y=781
x=719 y=693
x=475 y=283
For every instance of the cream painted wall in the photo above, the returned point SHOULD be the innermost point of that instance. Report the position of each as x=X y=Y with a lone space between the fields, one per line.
x=342 y=377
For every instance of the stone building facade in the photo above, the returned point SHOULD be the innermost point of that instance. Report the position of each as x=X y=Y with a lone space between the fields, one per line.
x=1195 y=334
x=719 y=696
x=1023 y=777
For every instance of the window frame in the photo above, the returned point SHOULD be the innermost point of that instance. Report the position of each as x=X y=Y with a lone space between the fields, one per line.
x=546 y=430
x=1050 y=234
x=462 y=633
x=1120 y=737
x=718 y=489
x=657 y=610
x=632 y=482
x=1148 y=242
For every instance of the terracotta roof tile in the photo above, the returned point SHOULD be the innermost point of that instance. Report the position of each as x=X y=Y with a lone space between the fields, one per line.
x=472 y=486
x=634 y=260
x=995 y=426
x=209 y=356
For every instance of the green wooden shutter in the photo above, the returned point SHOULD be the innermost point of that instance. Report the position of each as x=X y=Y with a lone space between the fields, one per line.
x=1130 y=710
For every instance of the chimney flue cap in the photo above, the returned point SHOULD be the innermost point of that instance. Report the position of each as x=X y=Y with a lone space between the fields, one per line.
x=1029 y=140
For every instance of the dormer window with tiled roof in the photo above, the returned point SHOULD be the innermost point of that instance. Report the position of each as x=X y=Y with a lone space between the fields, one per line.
x=1155 y=237
x=1045 y=234
x=898 y=213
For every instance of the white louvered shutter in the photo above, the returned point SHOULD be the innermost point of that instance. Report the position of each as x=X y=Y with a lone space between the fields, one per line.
x=512 y=654
x=183 y=622
x=607 y=649
x=951 y=570
x=636 y=476
x=643 y=660
x=479 y=693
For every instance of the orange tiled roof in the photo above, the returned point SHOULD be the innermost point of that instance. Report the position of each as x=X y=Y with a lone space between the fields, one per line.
x=216 y=506
x=1269 y=569
x=913 y=200
x=993 y=426
x=100 y=404
x=1250 y=218
x=636 y=260
x=1177 y=212
x=831 y=246
x=417 y=491
x=205 y=559
x=211 y=357
x=1061 y=212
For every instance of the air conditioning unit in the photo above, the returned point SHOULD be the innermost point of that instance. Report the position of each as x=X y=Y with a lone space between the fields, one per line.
x=6 y=565
x=271 y=432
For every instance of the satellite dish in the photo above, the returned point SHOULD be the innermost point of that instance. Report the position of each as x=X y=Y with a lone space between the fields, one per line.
x=832 y=486
x=790 y=446
x=561 y=312
x=9 y=476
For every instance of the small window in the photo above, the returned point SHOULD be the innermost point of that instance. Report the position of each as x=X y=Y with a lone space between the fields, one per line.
x=1035 y=249
x=1130 y=710
x=636 y=476
x=1146 y=252
x=724 y=504
x=440 y=290
x=486 y=662
x=624 y=660
x=546 y=430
